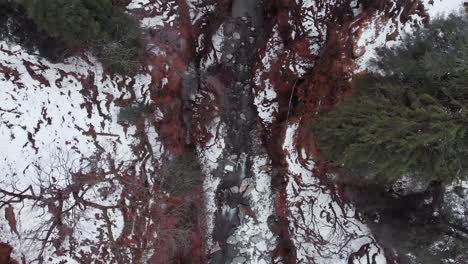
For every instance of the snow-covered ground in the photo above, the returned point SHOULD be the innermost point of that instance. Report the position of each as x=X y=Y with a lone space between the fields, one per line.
x=324 y=230
x=444 y=7
x=158 y=13
x=375 y=34
x=265 y=94
x=253 y=236
x=55 y=120
x=209 y=157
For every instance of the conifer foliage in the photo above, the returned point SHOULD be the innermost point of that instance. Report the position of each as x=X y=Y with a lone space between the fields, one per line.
x=113 y=36
x=409 y=116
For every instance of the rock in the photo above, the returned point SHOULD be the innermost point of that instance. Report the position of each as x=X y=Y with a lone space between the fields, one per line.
x=232 y=240
x=217 y=257
x=236 y=35
x=215 y=248
x=251 y=40
x=261 y=246
x=239 y=260
x=271 y=243
x=247 y=190
x=244 y=185
x=229 y=168
x=460 y=191
x=229 y=56
x=242 y=116
x=232 y=251
x=256 y=239
x=274 y=224
x=235 y=189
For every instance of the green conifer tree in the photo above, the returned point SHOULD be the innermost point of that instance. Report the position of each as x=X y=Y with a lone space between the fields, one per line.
x=409 y=117
x=112 y=35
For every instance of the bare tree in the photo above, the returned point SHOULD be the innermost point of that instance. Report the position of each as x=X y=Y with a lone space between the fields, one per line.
x=60 y=196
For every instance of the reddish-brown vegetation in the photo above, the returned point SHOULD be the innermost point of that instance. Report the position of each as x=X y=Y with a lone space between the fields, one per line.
x=176 y=229
x=5 y=254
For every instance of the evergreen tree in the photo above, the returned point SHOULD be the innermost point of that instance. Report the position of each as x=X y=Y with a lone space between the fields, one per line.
x=112 y=35
x=409 y=117
x=181 y=175
x=17 y=27
x=70 y=20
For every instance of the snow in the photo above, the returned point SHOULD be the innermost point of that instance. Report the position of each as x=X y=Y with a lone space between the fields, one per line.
x=34 y=103
x=444 y=7
x=313 y=20
x=456 y=204
x=138 y=4
x=215 y=146
x=253 y=237
x=55 y=114
x=264 y=91
x=161 y=12
x=209 y=157
x=43 y=124
x=374 y=35
x=152 y=22
x=213 y=57
x=265 y=102
x=156 y=144
x=323 y=230
x=274 y=47
x=218 y=39
x=198 y=9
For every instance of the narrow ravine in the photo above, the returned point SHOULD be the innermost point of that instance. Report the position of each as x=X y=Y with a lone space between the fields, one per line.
x=236 y=221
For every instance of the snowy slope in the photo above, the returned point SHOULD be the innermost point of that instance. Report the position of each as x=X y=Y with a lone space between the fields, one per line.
x=63 y=150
